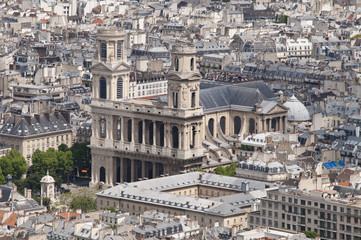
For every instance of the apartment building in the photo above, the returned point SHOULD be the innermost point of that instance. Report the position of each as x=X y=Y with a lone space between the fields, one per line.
x=321 y=211
x=300 y=48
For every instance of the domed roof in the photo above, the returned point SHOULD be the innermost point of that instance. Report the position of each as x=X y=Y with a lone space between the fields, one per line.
x=296 y=110
x=47 y=178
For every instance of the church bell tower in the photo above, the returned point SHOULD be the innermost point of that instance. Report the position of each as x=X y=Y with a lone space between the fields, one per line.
x=111 y=73
x=183 y=78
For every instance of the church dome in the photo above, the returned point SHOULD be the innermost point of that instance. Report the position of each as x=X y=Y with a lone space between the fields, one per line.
x=296 y=110
x=47 y=179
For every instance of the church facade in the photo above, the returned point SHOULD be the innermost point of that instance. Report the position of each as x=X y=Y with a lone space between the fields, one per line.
x=197 y=125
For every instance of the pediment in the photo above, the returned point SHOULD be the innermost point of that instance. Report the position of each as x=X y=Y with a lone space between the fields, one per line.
x=278 y=108
x=119 y=67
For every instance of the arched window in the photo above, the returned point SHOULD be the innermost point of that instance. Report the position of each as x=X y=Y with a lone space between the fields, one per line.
x=176 y=64
x=237 y=125
x=119 y=49
x=119 y=128
x=192 y=64
x=102 y=174
x=102 y=88
x=223 y=124
x=120 y=87
x=251 y=126
x=211 y=126
x=103 y=128
x=175 y=135
x=103 y=50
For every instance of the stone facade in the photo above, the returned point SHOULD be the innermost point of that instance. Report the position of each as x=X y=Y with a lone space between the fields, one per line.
x=134 y=139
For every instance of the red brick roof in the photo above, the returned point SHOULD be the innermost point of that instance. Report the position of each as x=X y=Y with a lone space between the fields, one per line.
x=69 y=215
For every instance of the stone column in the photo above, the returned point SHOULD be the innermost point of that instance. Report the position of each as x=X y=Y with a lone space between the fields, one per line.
x=284 y=124
x=110 y=128
x=143 y=131
x=132 y=175
x=154 y=133
x=166 y=134
x=122 y=128
x=108 y=171
x=132 y=130
x=281 y=123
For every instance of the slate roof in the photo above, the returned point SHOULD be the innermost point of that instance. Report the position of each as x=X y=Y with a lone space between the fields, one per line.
x=152 y=191
x=31 y=126
x=244 y=95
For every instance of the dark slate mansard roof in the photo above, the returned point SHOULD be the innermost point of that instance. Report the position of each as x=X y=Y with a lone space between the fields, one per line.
x=28 y=126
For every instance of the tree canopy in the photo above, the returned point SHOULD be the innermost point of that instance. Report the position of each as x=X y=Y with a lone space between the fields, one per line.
x=13 y=163
x=82 y=157
x=58 y=163
x=226 y=171
x=311 y=234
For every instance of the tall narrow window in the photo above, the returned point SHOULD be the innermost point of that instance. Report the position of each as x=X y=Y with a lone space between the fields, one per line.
x=211 y=126
x=237 y=125
x=120 y=88
x=175 y=135
x=175 y=99
x=176 y=64
x=102 y=174
x=252 y=127
x=192 y=64
x=119 y=49
x=102 y=88
x=193 y=100
x=103 y=50
x=223 y=124
x=130 y=130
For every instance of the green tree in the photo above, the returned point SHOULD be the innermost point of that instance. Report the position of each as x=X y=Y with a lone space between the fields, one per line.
x=2 y=177
x=226 y=171
x=85 y=203
x=44 y=161
x=46 y=202
x=220 y=170
x=63 y=147
x=65 y=162
x=311 y=234
x=111 y=209
x=82 y=157
x=13 y=163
